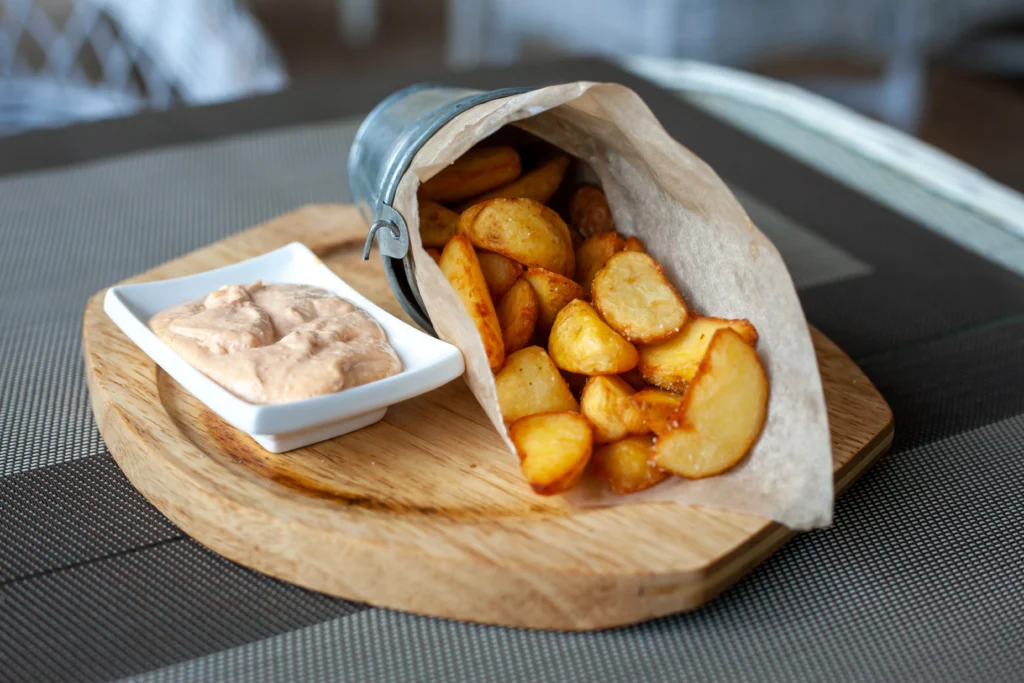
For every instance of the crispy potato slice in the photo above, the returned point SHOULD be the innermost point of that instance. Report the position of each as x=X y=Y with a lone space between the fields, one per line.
x=633 y=244
x=523 y=230
x=553 y=292
x=592 y=255
x=722 y=413
x=633 y=296
x=657 y=407
x=437 y=224
x=606 y=404
x=539 y=184
x=634 y=379
x=553 y=448
x=529 y=383
x=625 y=465
x=434 y=254
x=581 y=342
x=589 y=211
x=460 y=265
x=479 y=170
x=501 y=272
x=671 y=364
x=517 y=314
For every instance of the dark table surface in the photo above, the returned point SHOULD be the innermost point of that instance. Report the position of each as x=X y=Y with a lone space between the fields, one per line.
x=920 y=578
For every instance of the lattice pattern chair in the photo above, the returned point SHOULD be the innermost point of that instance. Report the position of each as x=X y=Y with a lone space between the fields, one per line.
x=67 y=60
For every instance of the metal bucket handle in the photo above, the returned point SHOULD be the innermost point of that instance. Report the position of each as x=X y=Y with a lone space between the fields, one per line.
x=387 y=227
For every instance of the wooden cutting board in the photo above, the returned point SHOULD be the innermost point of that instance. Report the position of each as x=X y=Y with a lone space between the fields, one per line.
x=425 y=511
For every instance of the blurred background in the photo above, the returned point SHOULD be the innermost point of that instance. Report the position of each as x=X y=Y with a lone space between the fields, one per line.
x=948 y=71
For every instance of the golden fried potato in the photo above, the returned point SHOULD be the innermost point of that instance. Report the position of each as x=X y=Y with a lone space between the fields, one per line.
x=479 y=170
x=589 y=211
x=672 y=363
x=722 y=413
x=517 y=314
x=460 y=265
x=592 y=255
x=553 y=292
x=625 y=465
x=581 y=342
x=523 y=230
x=437 y=224
x=606 y=404
x=657 y=407
x=539 y=184
x=633 y=244
x=633 y=296
x=434 y=254
x=501 y=272
x=529 y=383
x=553 y=448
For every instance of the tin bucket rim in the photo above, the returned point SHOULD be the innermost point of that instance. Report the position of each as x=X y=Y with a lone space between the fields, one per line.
x=388 y=228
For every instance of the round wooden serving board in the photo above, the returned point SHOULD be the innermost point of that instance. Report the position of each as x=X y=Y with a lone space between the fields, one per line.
x=426 y=511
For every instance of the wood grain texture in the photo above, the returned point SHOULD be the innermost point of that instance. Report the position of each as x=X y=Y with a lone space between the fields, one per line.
x=425 y=511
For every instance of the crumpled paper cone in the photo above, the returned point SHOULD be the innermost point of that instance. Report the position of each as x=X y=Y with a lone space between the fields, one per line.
x=716 y=257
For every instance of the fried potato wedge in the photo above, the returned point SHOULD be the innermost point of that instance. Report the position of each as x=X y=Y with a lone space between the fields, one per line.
x=589 y=211
x=633 y=244
x=460 y=265
x=722 y=413
x=437 y=224
x=553 y=448
x=529 y=383
x=592 y=255
x=581 y=342
x=539 y=184
x=524 y=230
x=633 y=296
x=434 y=254
x=657 y=407
x=606 y=404
x=501 y=272
x=625 y=465
x=553 y=292
x=479 y=170
x=671 y=364
x=517 y=315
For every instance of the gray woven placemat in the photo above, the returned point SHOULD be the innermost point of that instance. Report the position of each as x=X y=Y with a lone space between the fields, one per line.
x=918 y=580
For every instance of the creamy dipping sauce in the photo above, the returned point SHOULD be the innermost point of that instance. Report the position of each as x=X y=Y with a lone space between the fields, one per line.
x=274 y=343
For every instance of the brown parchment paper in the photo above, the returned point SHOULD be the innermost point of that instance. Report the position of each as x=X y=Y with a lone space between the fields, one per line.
x=720 y=262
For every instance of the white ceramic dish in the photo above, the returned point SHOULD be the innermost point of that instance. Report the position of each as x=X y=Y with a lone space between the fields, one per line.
x=427 y=362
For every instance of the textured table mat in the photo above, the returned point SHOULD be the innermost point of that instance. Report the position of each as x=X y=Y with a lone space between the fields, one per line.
x=919 y=579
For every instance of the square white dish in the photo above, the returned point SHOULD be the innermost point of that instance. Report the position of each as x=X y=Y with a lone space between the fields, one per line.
x=427 y=362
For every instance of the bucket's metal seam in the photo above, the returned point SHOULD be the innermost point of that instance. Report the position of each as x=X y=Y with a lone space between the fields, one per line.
x=369 y=123
x=404 y=151
x=410 y=149
x=406 y=147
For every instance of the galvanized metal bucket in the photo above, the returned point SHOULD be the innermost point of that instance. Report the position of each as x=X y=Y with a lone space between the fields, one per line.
x=383 y=148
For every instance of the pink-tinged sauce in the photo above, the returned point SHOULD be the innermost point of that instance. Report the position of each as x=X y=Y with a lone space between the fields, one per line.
x=275 y=343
